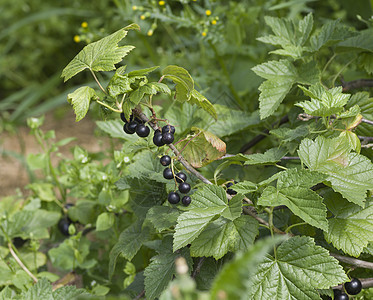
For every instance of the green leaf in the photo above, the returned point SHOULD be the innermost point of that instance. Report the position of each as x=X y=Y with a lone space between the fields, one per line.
x=300 y=267
x=290 y=35
x=351 y=228
x=143 y=194
x=162 y=268
x=326 y=36
x=105 y=221
x=366 y=60
x=223 y=235
x=281 y=76
x=162 y=217
x=234 y=208
x=350 y=174
x=115 y=129
x=68 y=292
x=363 y=41
x=200 y=100
x=269 y=157
x=233 y=277
x=191 y=223
x=231 y=121
x=244 y=187
x=353 y=140
x=41 y=290
x=101 y=55
x=201 y=148
x=303 y=202
x=323 y=102
x=184 y=82
x=80 y=100
x=142 y=72
x=129 y=243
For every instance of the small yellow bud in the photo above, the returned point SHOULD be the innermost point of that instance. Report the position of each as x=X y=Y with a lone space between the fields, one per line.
x=84 y=25
x=162 y=3
x=208 y=12
x=76 y=38
x=134 y=7
x=213 y=22
x=142 y=17
x=150 y=32
x=204 y=33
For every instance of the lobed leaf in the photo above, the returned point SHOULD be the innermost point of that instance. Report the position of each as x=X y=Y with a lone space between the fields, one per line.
x=101 y=55
x=80 y=100
x=299 y=268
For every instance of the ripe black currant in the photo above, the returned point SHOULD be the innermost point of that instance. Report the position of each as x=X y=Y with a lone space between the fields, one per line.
x=230 y=191
x=165 y=160
x=341 y=296
x=167 y=173
x=157 y=139
x=167 y=138
x=131 y=127
x=168 y=128
x=19 y=242
x=123 y=117
x=353 y=287
x=63 y=225
x=126 y=130
x=142 y=130
x=184 y=188
x=173 y=197
x=186 y=200
x=181 y=177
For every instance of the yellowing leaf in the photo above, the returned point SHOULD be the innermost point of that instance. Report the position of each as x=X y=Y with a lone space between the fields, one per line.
x=201 y=148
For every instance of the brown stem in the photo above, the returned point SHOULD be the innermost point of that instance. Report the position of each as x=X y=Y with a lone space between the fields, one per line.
x=262 y=135
x=139 y=296
x=20 y=263
x=365 y=282
x=198 y=267
x=353 y=261
x=367 y=121
x=356 y=84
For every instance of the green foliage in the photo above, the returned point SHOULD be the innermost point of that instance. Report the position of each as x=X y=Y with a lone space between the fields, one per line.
x=265 y=224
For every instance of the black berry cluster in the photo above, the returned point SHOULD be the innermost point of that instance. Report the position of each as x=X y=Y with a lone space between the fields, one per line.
x=353 y=287
x=134 y=125
x=164 y=136
x=230 y=191
x=184 y=187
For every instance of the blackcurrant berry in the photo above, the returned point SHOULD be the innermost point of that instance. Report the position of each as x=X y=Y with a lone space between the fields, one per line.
x=165 y=160
x=184 y=188
x=230 y=191
x=123 y=117
x=186 y=200
x=341 y=296
x=142 y=130
x=168 y=128
x=131 y=127
x=126 y=130
x=167 y=173
x=167 y=138
x=157 y=140
x=19 y=242
x=63 y=226
x=353 y=287
x=181 y=177
x=68 y=205
x=173 y=197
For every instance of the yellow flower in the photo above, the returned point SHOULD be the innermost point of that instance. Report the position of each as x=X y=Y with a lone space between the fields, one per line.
x=204 y=33
x=76 y=38
x=84 y=25
x=142 y=17
x=213 y=22
x=162 y=2
x=134 y=7
x=150 y=32
x=208 y=12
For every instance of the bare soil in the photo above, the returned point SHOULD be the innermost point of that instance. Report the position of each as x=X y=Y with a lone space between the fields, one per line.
x=14 y=147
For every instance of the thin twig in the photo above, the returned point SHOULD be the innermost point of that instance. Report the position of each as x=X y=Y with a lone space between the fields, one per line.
x=198 y=267
x=139 y=296
x=365 y=282
x=353 y=261
x=262 y=135
x=21 y=263
x=365 y=138
x=367 y=121
x=356 y=84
